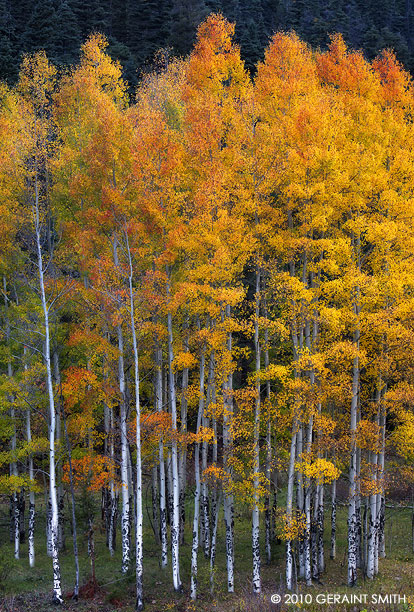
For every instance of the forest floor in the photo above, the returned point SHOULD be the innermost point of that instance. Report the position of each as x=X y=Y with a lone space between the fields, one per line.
x=26 y=590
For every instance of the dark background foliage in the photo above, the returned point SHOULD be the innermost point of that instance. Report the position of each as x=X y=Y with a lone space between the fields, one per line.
x=136 y=29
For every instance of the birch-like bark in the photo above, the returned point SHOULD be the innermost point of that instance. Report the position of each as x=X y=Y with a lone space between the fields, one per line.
x=125 y=518
x=183 y=450
x=321 y=517
x=314 y=534
x=113 y=493
x=268 y=534
x=31 y=526
x=257 y=587
x=138 y=493
x=205 y=505
x=227 y=449
x=14 y=507
x=289 y=505
x=381 y=474
x=60 y=492
x=194 y=548
x=74 y=523
x=352 y=509
x=175 y=523
x=300 y=500
x=57 y=587
x=372 y=554
x=155 y=504
x=333 y=520
x=162 y=492
x=214 y=543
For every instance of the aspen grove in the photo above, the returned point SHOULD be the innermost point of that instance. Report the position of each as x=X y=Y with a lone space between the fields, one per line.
x=207 y=299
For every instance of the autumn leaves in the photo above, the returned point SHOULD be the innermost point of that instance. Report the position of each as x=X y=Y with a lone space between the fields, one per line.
x=223 y=267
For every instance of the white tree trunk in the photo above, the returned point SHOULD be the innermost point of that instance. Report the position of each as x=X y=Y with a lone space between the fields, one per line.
x=268 y=535
x=57 y=588
x=227 y=449
x=321 y=517
x=194 y=548
x=257 y=587
x=15 y=508
x=333 y=521
x=138 y=500
x=289 y=505
x=214 y=542
x=162 y=491
x=175 y=523
x=125 y=518
x=31 y=494
x=300 y=498
x=183 y=450
x=352 y=510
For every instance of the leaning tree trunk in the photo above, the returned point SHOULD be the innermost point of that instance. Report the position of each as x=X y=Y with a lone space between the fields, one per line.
x=57 y=588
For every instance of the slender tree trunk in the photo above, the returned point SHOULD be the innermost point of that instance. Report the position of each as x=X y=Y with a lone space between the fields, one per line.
x=268 y=534
x=183 y=449
x=214 y=543
x=373 y=518
x=125 y=518
x=289 y=505
x=60 y=492
x=352 y=508
x=175 y=523
x=197 y=495
x=113 y=493
x=333 y=521
x=14 y=500
x=138 y=493
x=257 y=587
x=381 y=495
x=300 y=501
x=227 y=449
x=314 y=533
x=74 y=523
x=31 y=494
x=321 y=517
x=155 y=504
x=57 y=588
x=163 y=500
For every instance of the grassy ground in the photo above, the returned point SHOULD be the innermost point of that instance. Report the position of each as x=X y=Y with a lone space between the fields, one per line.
x=29 y=589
